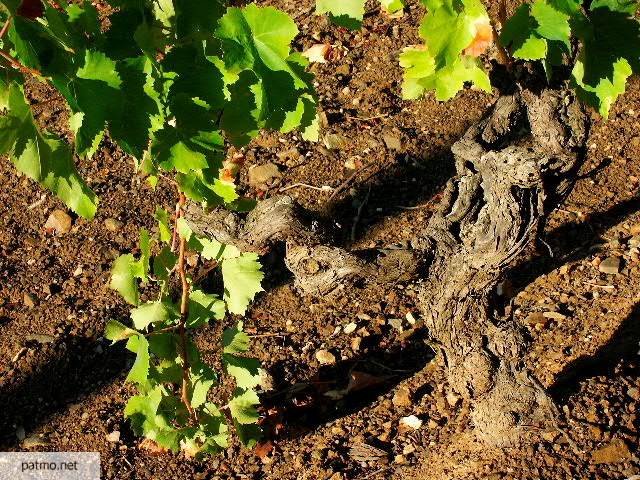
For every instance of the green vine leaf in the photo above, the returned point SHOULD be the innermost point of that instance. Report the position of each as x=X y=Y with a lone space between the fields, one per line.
x=623 y=6
x=611 y=42
x=202 y=379
x=552 y=23
x=540 y=31
x=164 y=232
x=520 y=36
x=212 y=249
x=140 y=370
x=234 y=340
x=184 y=230
x=116 y=331
x=165 y=345
x=124 y=274
x=602 y=95
x=174 y=153
x=249 y=435
x=443 y=64
x=276 y=90
x=163 y=264
x=245 y=370
x=203 y=307
x=242 y=277
x=347 y=14
x=153 y=312
x=569 y=7
x=142 y=411
x=95 y=96
x=242 y=406
x=392 y=6
x=196 y=18
x=40 y=156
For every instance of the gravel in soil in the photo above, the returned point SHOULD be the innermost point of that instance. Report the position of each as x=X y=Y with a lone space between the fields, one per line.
x=61 y=384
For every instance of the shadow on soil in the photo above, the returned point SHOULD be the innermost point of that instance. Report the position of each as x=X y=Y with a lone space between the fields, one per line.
x=345 y=388
x=623 y=347
x=71 y=369
x=572 y=242
x=69 y=375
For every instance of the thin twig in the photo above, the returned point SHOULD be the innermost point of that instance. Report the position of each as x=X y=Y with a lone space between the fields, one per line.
x=162 y=330
x=570 y=440
x=375 y=117
x=387 y=368
x=417 y=207
x=46 y=102
x=5 y=26
x=606 y=287
x=37 y=203
x=183 y=319
x=380 y=470
x=357 y=218
x=265 y=335
x=548 y=247
x=344 y=184
x=324 y=188
x=204 y=273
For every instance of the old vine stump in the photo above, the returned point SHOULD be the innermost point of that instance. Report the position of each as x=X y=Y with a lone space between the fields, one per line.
x=513 y=168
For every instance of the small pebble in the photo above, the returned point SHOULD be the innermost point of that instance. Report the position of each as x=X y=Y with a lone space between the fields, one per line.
x=35 y=441
x=411 y=421
x=350 y=328
x=393 y=142
x=36 y=337
x=402 y=398
x=29 y=300
x=453 y=400
x=325 y=357
x=396 y=323
x=610 y=266
x=113 y=225
x=59 y=221
x=263 y=175
x=336 y=142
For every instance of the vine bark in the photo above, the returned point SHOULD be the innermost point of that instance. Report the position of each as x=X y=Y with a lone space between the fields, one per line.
x=513 y=168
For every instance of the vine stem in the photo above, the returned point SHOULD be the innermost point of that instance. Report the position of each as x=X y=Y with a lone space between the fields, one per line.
x=503 y=55
x=183 y=319
x=177 y=215
x=162 y=330
x=17 y=65
x=5 y=26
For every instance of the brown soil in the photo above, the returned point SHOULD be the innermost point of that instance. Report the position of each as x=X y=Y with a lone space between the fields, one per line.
x=65 y=387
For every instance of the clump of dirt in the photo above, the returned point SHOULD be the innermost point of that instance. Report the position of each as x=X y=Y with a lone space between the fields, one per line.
x=62 y=384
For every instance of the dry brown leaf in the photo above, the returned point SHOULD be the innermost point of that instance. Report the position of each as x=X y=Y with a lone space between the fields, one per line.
x=152 y=447
x=483 y=36
x=261 y=450
x=361 y=380
x=189 y=449
x=318 y=53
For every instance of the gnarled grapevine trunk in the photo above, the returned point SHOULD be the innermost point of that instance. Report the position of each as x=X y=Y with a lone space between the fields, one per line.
x=513 y=168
